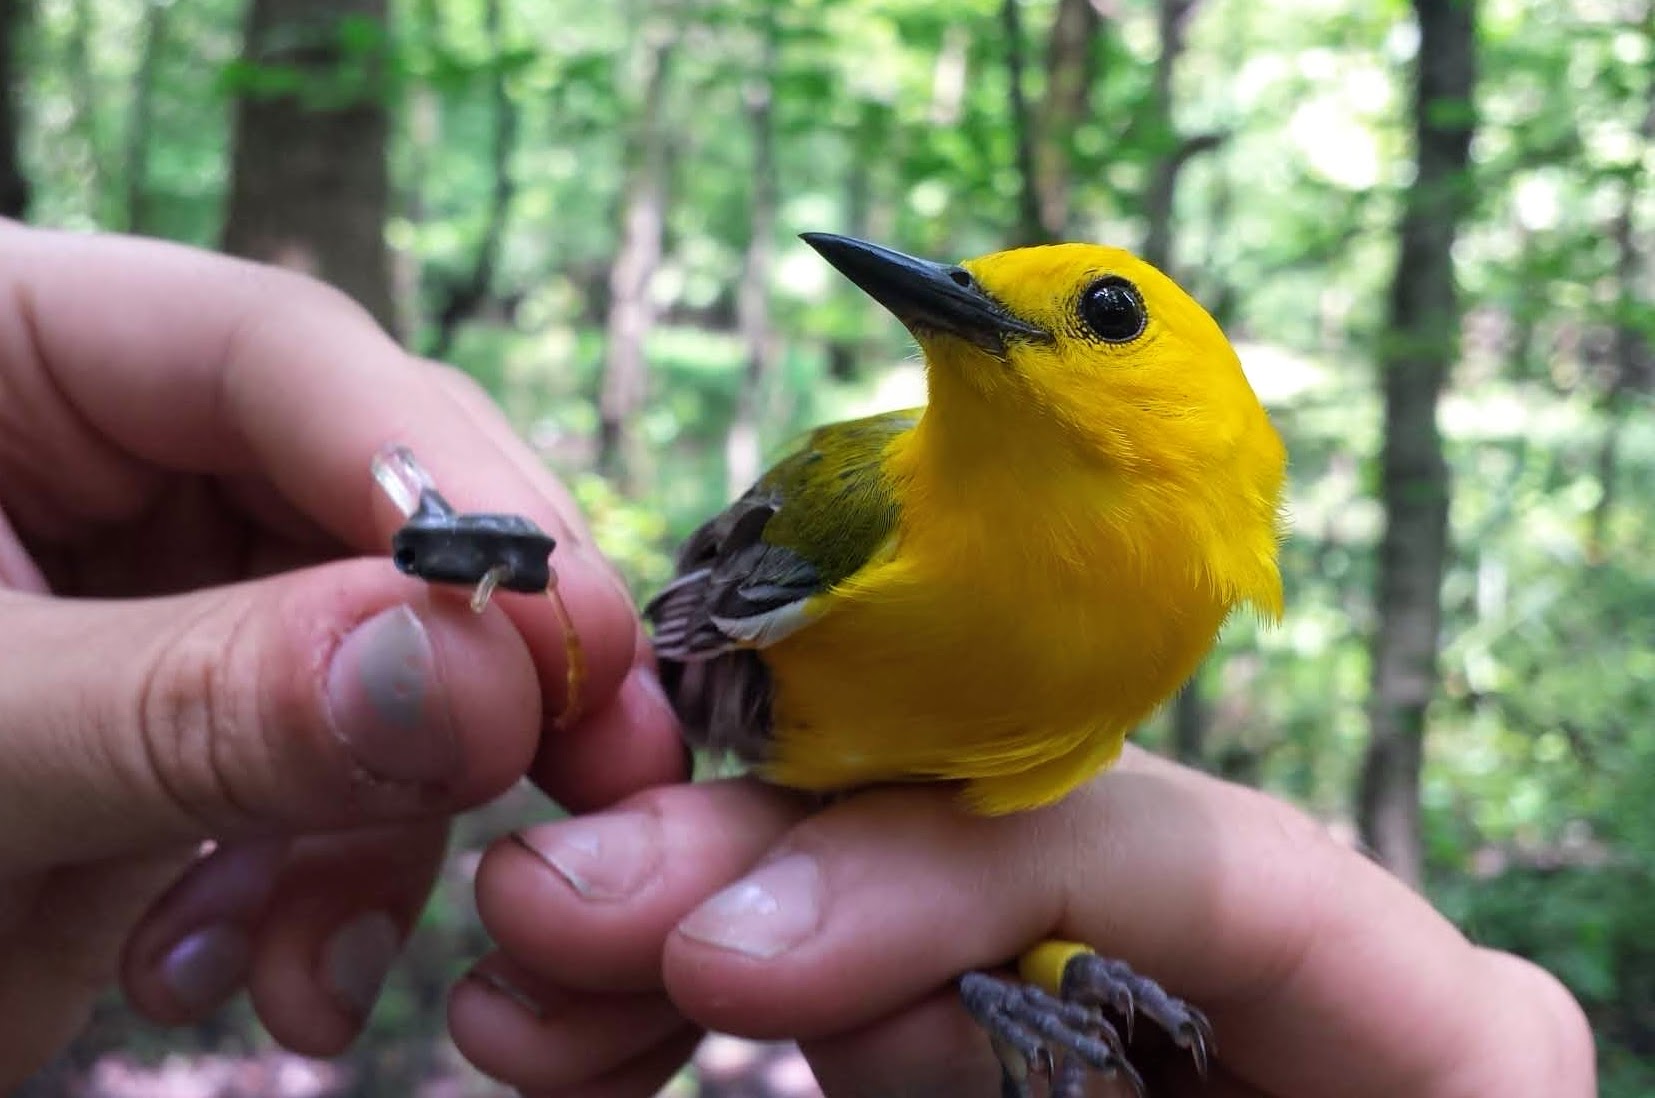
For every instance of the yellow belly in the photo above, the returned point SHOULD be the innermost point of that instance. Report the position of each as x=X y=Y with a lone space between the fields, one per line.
x=1023 y=691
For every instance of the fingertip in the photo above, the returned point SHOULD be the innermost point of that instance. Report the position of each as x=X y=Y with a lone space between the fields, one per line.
x=335 y=929
x=632 y=743
x=491 y=689
x=292 y=997
x=876 y=900
x=409 y=702
x=574 y=902
x=338 y=696
x=588 y=902
x=538 y=1037
x=192 y=949
x=493 y=1023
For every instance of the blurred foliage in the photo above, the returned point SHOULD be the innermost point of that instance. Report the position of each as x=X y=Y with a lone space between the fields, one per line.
x=891 y=118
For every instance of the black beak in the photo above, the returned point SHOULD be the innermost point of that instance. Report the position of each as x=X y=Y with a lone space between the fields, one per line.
x=925 y=296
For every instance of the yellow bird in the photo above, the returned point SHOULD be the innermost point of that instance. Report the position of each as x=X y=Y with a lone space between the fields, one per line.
x=994 y=589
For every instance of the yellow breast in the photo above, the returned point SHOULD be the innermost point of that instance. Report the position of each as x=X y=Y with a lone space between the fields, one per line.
x=1020 y=676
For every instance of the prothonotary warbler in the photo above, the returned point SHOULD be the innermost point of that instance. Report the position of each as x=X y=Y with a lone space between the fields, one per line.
x=994 y=589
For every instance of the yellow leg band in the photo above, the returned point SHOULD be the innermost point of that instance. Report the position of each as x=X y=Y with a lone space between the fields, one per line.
x=1044 y=964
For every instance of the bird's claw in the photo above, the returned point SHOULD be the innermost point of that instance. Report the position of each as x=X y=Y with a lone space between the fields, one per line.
x=1100 y=981
x=1034 y=1032
x=1068 y=1036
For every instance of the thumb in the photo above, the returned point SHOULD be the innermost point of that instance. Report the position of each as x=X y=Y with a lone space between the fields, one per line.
x=315 y=700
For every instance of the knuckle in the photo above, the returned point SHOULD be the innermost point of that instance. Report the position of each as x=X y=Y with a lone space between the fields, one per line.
x=188 y=719
x=215 y=718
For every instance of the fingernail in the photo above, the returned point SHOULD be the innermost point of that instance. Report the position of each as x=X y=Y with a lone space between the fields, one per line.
x=607 y=857
x=499 y=985
x=387 y=703
x=207 y=966
x=357 y=959
x=766 y=914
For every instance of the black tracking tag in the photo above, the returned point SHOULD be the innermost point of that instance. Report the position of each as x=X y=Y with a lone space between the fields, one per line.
x=439 y=545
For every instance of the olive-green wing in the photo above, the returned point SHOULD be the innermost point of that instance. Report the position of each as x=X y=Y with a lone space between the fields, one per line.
x=747 y=577
x=744 y=577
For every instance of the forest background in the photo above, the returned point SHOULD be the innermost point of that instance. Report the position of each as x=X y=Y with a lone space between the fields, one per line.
x=1442 y=289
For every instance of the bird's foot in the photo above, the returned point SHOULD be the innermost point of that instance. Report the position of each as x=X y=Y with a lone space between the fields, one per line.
x=1036 y=1033
x=1100 y=981
x=1069 y=1036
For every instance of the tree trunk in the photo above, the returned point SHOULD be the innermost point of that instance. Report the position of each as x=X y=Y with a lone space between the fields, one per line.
x=14 y=185
x=309 y=182
x=1029 y=229
x=1173 y=151
x=463 y=299
x=1069 y=75
x=1420 y=343
x=631 y=312
x=140 y=122
x=742 y=449
x=868 y=216
x=1191 y=717
x=1191 y=713
x=84 y=123
x=1171 y=20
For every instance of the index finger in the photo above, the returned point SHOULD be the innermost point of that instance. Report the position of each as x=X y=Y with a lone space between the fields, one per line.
x=150 y=355
x=1321 y=972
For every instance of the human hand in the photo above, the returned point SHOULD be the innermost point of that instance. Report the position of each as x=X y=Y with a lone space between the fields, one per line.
x=190 y=652
x=1321 y=973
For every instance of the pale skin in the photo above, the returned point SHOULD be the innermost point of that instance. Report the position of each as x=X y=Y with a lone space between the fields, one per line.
x=190 y=436
x=1322 y=974
x=186 y=517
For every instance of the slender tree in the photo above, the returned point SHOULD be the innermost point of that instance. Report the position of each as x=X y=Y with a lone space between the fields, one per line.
x=1420 y=344
x=1173 y=151
x=631 y=312
x=85 y=122
x=1043 y=131
x=845 y=352
x=14 y=186
x=466 y=296
x=1070 y=70
x=1028 y=228
x=140 y=126
x=742 y=450
x=1191 y=712
x=309 y=180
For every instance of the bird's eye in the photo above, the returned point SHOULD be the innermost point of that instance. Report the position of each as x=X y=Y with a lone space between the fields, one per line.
x=1114 y=310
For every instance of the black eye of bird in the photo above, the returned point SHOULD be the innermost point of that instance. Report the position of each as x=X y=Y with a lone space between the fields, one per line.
x=1114 y=310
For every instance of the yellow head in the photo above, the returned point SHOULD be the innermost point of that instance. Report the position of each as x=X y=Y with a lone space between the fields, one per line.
x=1083 y=361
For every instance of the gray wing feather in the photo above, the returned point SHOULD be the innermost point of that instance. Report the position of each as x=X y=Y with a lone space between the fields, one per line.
x=731 y=593
x=735 y=592
x=733 y=589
